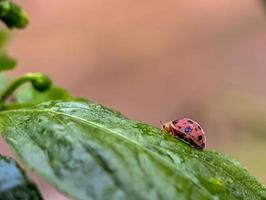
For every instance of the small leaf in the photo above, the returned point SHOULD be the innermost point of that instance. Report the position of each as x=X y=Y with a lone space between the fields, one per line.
x=12 y=15
x=28 y=94
x=3 y=38
x=6 y=62
x=14 y=184
x=3 y=82
x=88 y=151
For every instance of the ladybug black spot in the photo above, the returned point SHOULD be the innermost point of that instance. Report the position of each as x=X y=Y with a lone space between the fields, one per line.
x=189 y=121
x=199 y=138
x=196 y=129
x=188 y=129
x=179 y=127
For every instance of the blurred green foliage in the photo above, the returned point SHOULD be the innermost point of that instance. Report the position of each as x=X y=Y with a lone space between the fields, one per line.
x=12 y=15
x=27 y=94
x=6 y=62
x=14 y=184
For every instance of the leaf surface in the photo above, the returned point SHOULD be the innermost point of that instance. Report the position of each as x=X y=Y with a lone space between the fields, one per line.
x=28 y=94
x=89 y=151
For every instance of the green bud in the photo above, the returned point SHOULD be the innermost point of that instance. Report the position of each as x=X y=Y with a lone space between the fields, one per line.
x=40 y=81
x=12 y=15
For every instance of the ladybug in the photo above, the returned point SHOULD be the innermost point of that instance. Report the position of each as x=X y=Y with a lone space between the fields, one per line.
x=187 y=130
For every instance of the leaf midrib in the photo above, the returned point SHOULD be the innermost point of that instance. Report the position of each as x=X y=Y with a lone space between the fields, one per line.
x=98 y=159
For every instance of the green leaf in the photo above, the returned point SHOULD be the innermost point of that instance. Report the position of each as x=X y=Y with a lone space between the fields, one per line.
x=14 y=184
x=88 y=151
x=3 y=38
x=3 y=82
x=12 y=15
x=27 y=94
x=6 y=62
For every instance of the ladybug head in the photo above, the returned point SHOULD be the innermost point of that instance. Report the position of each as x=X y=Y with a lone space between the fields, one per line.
x=166 y=126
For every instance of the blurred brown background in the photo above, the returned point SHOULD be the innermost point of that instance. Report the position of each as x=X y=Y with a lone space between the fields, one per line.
x=157 y=60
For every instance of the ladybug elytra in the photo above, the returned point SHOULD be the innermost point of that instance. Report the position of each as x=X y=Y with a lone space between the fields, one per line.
x=187 y=130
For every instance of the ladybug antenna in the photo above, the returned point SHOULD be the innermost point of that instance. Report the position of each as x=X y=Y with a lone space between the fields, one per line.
x=161 y=122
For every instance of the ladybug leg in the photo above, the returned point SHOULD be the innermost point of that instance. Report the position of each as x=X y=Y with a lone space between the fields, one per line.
x=186 y=137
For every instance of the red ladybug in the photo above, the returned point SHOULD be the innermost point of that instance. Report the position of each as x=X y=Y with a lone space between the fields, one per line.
x=188 y=130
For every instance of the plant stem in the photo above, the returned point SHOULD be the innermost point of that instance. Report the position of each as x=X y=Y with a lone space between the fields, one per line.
x=39 y=81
